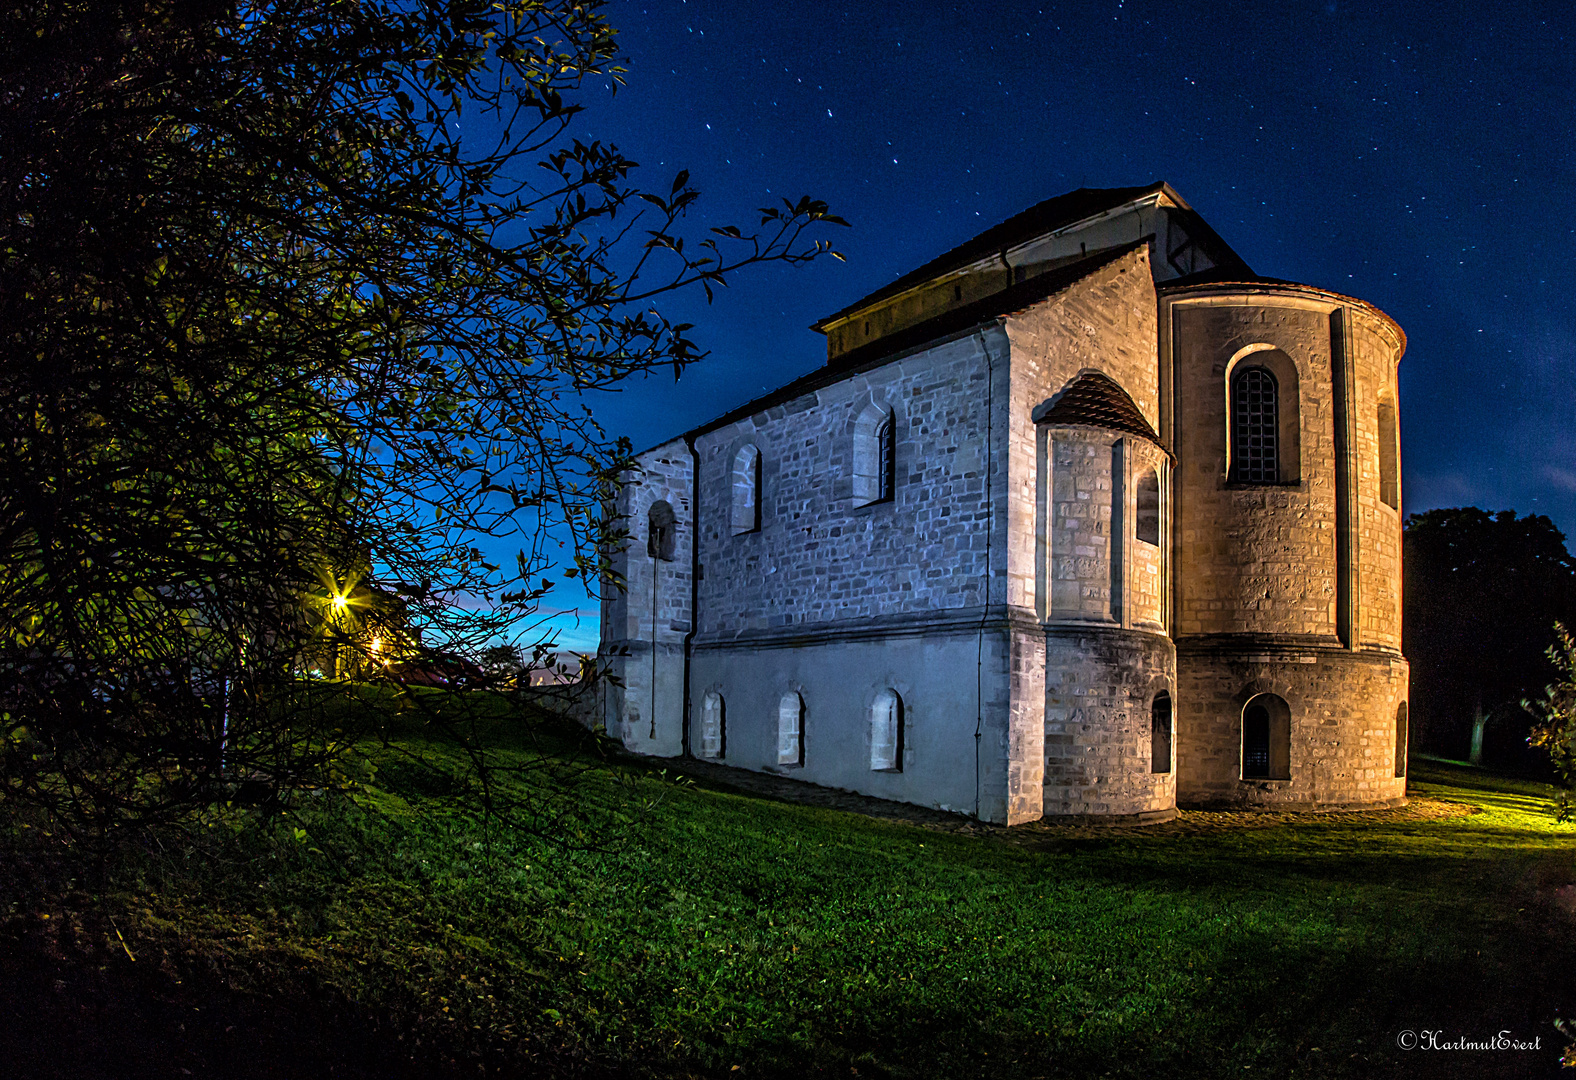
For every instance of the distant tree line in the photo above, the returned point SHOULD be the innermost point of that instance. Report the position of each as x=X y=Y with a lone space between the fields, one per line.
x=1483 y=592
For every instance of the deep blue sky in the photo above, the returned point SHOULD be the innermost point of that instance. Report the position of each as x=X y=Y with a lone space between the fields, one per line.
x=1416 y=156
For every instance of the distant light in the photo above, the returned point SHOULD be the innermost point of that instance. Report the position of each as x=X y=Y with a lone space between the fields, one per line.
x=339 y=603
x=377 y=644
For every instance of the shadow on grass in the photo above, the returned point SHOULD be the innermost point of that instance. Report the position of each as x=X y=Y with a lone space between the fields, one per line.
x=725 y=929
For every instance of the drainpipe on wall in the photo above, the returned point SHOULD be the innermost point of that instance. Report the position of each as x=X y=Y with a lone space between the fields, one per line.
x=694 y=619
x=990 y=523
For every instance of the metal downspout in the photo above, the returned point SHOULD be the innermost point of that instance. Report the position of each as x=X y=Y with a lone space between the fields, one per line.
x=694 y=619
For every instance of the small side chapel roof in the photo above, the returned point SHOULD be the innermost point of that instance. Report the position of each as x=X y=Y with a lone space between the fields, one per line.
x=1093 y=399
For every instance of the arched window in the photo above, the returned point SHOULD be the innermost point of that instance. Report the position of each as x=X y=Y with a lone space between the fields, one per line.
x=1160 y=733
x=746 y=490
x=1389 y=460
x=1266 y=738
x=1400 y=739
x=875 y=456
x=886 y=447
x=790 y=730
x=1147 y=520
x=1255 y=430
x=713 y=727
x=886 y=732
x=661 y=531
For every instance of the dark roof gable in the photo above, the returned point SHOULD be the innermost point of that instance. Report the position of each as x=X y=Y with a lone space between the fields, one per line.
x=942 y=327
x=1009 y=300
x=1037 y=220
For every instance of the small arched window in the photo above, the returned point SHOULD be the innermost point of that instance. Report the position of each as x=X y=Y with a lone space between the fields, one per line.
x=746 y=490
x=1147 y=519
x=1160 y=734
x=875 y=456
x=886 y=444
x=1255 y=427
x=713 y=727
x=1389 y=460
x=1400 y=739
x=661 y=531
x=1266 y=738
x=886 y=732
x=790 y=729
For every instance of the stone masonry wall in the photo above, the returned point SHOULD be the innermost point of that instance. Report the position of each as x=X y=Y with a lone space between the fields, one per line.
x=1143 y=604
x=1100 y=684
x=644 y=625
x=1343 y=708
x=818 y=558
x=1375 y=353
x=1252 y=558
x=1084 y=486
x=1104 y=323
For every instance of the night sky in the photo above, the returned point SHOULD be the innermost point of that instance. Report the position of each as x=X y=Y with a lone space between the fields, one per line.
x=1415 y=156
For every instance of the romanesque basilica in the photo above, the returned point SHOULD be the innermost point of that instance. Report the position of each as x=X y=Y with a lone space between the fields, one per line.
x=1082 y=518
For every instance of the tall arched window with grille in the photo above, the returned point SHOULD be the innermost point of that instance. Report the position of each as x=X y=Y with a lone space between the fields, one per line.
x=875 y=456
x=1255 y=427
x=885 y=447
x=1266 y=738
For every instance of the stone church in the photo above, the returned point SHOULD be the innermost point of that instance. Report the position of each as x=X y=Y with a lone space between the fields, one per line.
x=1082 y=518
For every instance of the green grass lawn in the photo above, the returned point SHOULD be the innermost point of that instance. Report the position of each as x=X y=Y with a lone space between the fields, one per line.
x=686 y=931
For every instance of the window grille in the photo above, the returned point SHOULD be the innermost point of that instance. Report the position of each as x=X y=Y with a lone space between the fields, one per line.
x=884 y=443
x=1256 y=438
x=1256 y=742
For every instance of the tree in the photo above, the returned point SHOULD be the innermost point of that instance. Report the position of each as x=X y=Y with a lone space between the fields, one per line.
x=1555 y=732
x=300 y=298
x=1483 y=593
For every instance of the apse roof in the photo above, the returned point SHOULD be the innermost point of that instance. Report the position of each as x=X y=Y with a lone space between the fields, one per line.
x=1094 y=400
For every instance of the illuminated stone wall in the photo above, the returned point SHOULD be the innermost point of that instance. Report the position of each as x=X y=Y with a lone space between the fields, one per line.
x=1288 y=588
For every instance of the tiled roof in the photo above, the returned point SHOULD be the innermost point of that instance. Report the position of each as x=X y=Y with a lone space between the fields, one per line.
x=1094 y=400
x=1011 y=299
x=944 y=326
x=1037 y=220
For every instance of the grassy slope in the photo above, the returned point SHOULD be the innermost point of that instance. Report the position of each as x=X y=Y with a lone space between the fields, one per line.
x=715 y=930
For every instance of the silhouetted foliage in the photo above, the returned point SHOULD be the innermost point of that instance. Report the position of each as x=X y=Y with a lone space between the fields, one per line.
x=1555 y=710
x=282 y=337
x=1483 y=592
